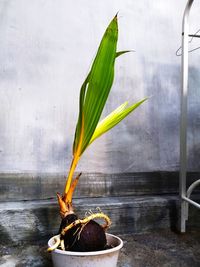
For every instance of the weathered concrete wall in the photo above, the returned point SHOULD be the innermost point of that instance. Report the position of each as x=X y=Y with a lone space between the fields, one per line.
x=46 y=48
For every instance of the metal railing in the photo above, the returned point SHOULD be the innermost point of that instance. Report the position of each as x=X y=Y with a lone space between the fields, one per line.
x=184 y=192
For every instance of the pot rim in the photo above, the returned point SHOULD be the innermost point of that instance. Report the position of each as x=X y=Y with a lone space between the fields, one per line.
x=91 y=253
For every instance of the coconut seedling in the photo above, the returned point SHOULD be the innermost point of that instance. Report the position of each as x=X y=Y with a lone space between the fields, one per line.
x=86 y=234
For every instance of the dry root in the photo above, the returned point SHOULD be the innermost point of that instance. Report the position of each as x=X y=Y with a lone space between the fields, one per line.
x=82 y=222
x=57 y=243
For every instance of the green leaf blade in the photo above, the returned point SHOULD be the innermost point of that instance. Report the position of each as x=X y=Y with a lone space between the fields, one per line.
x=114 y=118
x=119 y=53
x=96 y=88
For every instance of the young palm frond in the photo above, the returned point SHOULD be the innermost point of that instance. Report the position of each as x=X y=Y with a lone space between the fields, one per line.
x=93 y=95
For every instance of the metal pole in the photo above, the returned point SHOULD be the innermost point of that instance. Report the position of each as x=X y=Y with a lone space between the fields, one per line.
x=183 y=122
x=192 y=202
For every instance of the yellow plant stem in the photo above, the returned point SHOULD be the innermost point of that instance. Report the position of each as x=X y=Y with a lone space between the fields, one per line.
x=74 y=163
x=72 y=188
x=65 y=201
x=70 y=176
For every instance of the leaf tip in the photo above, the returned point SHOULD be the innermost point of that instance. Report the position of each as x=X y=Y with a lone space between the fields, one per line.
x=115 y=17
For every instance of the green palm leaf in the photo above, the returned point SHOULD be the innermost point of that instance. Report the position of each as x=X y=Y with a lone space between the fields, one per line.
x=114 y=118
x=96 y=88
x=93 y=95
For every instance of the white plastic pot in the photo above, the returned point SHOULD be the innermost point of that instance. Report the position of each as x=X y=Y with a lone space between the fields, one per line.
x=103 y=258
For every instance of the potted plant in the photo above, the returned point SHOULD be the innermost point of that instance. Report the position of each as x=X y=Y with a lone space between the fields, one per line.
x=83 y=242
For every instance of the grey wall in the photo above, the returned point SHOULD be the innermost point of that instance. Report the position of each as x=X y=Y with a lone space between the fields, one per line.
x=46 y=48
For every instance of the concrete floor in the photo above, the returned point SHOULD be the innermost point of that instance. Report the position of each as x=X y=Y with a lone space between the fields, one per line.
x=157 y=249
x=161 y=249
